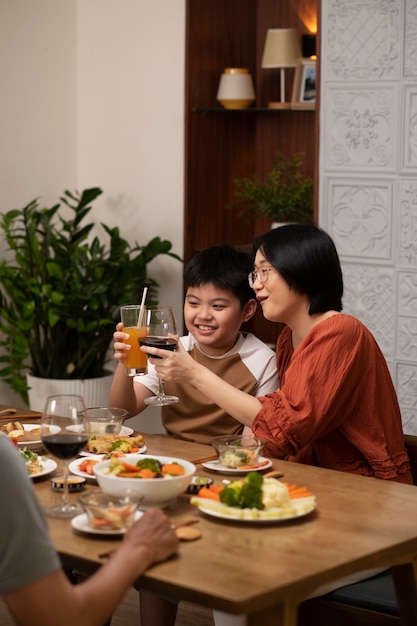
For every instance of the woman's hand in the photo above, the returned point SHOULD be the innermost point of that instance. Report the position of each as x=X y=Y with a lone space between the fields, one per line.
x=120 y=347
x=178 y=366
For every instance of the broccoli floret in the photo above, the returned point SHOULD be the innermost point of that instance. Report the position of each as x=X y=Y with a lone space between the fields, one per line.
x=246 y=493
x=152 y=464
x=230 y=495
x=251 y=493
x=122 y=446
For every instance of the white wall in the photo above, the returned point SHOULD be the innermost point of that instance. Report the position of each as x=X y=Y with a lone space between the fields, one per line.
x=92 y=95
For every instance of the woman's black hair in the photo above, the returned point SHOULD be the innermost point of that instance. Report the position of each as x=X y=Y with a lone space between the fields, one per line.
x=306 y=258
x=224 y=267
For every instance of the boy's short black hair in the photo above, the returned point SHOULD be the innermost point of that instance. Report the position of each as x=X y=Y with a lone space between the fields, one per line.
x=224 y=267
x=306 y=258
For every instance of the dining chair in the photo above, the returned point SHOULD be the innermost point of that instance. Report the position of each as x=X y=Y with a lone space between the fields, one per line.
x=370 y=602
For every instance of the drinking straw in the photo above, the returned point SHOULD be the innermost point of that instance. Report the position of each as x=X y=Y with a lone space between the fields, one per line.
x=142 y=304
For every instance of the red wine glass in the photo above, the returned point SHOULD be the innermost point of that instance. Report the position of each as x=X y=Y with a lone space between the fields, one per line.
x=62 y=436
x=161 y=328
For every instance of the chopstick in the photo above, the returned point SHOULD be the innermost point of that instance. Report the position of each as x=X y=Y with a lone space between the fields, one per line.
x=205 y=459
x=9 y=411
x=194 y=520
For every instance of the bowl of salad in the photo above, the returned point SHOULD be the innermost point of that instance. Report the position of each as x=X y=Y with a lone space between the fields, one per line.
x=237 y=451
x=159 y=479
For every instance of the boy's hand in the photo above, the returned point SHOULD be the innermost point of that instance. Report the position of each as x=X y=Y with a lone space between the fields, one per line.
x=120 y=348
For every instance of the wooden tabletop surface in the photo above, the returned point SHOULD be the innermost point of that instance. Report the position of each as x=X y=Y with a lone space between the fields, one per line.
x=266 y=569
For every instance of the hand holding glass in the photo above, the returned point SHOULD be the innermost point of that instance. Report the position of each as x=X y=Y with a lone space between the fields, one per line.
x=62 y=435
x=161 y=325
x=133 y=317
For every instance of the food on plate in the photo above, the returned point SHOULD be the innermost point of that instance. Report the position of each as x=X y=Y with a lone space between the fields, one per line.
x=144 y=468
x=254 y=497
x=87 y=465
x=34 y=463
x=10 y=426
x=107 y=443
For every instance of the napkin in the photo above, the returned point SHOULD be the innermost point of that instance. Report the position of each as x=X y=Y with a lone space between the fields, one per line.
x=18 y=415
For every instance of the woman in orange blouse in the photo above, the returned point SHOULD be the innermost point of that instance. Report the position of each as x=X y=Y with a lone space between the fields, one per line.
x=336 y=406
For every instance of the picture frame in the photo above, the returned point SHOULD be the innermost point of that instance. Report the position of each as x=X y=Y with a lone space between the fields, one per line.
x=304 y=87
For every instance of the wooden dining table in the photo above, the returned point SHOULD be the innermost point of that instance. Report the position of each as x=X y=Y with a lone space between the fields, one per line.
x=265 y=570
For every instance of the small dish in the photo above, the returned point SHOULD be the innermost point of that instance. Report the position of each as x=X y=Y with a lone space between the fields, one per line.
x=80 y=523
x=75 y=483
x=215 y=466
x=197 y=482
x=110 y=513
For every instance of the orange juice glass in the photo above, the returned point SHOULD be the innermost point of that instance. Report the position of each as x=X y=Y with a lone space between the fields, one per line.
x=133 y=318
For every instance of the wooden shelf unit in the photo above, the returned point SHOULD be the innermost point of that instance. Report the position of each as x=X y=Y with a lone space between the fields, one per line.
x=222 y=145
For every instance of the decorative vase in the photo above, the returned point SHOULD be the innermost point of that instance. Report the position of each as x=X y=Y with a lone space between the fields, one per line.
x=236 y=88
x=95 y=391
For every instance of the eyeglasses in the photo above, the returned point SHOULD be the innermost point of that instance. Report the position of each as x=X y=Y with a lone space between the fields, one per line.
x=260 y=275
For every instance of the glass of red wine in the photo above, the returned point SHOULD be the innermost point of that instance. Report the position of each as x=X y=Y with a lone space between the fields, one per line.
x=161 y=328
x=63 y=436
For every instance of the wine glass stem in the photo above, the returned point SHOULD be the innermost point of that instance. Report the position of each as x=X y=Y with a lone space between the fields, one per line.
x=65 y=491
x=161 y=393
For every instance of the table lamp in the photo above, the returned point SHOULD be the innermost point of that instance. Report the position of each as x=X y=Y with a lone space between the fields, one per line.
x=281 y=50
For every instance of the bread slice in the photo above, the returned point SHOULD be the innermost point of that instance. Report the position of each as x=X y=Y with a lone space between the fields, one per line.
x=103 y=444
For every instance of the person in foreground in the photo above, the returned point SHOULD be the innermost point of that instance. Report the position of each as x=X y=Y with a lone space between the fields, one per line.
x=336 y=406
x=218 y=300
x=33 y=584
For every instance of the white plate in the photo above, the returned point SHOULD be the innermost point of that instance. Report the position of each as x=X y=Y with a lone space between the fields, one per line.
x=48 y=467
x=142 y=450
x=36 y=444
x=302 y=506
x=73 y=466
x=215 y=466
x=80 y=522
x=124 y=431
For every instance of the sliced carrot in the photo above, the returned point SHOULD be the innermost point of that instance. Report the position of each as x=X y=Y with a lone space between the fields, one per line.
x=174 y=469
x=206 y=492
x=134 y=450
x=100 y=522
x=146 y=473
x=127 y=474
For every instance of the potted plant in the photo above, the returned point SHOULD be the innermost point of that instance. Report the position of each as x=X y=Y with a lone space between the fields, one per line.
x=61 y=289
x=286 y=196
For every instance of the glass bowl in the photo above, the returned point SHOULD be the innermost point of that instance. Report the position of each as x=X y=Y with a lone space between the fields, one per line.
x=237 y=451
x=103 y=420
x=106 y=512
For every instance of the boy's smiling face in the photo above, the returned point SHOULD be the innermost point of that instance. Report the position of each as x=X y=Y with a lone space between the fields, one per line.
x=214 y=316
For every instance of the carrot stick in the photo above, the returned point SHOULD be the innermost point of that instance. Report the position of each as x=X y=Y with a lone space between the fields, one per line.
x=208 y=493
x=129 y=466
x=127 y=474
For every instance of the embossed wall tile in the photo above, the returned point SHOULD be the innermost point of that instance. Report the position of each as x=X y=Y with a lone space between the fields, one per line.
x=408 y=223
x=407 y=294
x=407 y=338
x=405 y=381
x=361 y=124
x=369 y=295
x=410 y=39
x=360 y=217
x=409 y=133
x=362 y=40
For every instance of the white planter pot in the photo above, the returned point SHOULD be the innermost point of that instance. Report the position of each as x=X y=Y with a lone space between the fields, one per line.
x=95 y=391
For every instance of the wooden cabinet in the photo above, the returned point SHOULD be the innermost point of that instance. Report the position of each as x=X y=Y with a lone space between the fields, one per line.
x=222 y=145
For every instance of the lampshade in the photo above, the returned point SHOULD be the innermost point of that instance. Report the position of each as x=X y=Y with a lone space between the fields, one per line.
x=281 y=50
